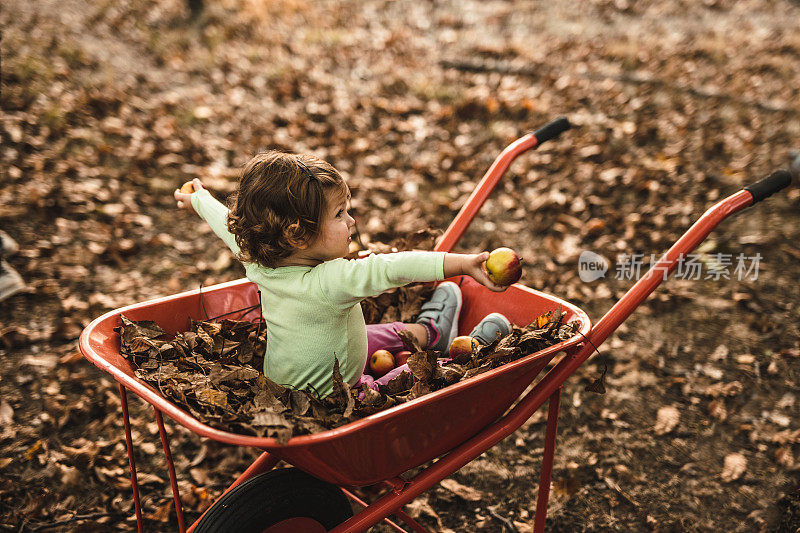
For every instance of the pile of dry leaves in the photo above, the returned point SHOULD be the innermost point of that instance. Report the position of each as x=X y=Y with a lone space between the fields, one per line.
x=214 y=371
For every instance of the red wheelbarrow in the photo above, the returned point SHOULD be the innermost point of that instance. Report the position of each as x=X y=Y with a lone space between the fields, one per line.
x=448 y=428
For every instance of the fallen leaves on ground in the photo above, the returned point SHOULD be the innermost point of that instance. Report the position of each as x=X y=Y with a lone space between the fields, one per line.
x=462 y=491
x=666 y=419
x=734 y=466
x=101 y=123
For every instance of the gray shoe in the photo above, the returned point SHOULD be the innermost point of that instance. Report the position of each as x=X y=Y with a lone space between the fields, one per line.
x=439 y=315
x=490 y=328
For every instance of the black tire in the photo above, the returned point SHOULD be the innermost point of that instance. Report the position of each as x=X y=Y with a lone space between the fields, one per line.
x=272 y=497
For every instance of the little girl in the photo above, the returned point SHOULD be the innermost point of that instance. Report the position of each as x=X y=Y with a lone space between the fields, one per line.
x=289 y=225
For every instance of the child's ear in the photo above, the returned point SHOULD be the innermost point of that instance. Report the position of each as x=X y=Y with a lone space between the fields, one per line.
x=294 y=235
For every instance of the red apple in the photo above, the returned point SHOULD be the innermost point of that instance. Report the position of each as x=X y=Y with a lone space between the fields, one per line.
x=462 y=346
x=187 y=188
x=401 y=358
x=381 y=362
x=504 y=266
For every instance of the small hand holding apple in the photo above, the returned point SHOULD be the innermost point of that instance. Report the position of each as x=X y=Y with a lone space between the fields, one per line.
x=474 y=266
x=184 y=194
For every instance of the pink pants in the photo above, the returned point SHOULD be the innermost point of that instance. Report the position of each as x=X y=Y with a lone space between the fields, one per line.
x=383 y=337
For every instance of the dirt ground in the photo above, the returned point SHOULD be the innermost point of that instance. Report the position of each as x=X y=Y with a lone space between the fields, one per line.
x=109 y=106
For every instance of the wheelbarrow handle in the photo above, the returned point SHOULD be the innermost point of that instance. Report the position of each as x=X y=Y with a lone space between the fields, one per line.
x=738 y=201
x=682 y=248
x=552 y=130
x=768 y=186
x=493 y=175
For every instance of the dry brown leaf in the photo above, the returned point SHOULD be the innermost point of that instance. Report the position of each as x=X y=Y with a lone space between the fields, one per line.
x=785 y=457
x=666 y=420
x=720 y=353
x=421 y=506
x=71 y=357
x=462 y=491
x=523 y=527
x=163 y=512
x=70 y=476
x=422 y=365
x=213 y=397
x=717 y=409
x=724 y=389
x=598 y=385
x=341 y=391
x=787 y=436
x=735 y=465
x=6 y=414
x=409 y=340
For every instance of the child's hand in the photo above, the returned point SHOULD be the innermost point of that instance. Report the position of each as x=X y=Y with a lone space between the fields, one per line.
x=475 y=266
x=472 y=265
x=184 y=199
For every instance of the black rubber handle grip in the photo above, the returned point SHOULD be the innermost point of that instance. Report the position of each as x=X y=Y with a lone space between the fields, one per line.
x=769 y=185
x=552 y=130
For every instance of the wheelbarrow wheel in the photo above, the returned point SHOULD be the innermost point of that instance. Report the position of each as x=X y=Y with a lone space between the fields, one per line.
x=286 y=499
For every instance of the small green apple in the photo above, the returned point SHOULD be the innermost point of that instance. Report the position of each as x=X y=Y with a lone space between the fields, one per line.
x=504 y=266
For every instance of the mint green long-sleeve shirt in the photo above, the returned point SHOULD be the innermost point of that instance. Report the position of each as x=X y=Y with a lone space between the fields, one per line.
x=313 y=314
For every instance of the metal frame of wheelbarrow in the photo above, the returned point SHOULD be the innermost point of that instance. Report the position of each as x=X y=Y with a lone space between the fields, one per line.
x=403 y=490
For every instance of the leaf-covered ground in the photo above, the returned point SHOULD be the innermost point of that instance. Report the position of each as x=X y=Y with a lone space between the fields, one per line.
x=109 y=106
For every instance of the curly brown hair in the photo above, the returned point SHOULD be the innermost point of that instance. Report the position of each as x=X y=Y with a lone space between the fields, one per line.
x=279 y=205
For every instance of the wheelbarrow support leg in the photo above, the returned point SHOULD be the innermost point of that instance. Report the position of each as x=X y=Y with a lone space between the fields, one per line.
x=129 y=445
x=176 y=495
x=547 y=461
x=403 y=516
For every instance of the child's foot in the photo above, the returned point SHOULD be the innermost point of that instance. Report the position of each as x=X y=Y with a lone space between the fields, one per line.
x=440 y=316
x=490 y=328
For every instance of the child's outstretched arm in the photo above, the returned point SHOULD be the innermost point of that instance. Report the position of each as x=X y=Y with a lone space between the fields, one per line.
x=210 y=210
x=344 y=282
x=470 y=265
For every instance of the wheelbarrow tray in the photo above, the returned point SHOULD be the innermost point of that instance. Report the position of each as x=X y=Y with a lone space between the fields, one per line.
x=379 y=446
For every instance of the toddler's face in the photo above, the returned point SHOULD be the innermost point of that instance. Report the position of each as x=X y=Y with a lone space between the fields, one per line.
x=334 y=239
